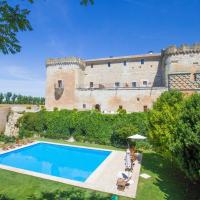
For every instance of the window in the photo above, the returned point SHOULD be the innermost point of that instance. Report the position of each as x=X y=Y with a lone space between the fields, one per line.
x=108 y=64
x=195 y=77
x=91 y=65
x=60 y=84
x=142 y=61
x=117 y=84
x=145 y=108
x=124 y=63
x=145 y=83
x=91 y=84
x=134 y=84
x=84 y=105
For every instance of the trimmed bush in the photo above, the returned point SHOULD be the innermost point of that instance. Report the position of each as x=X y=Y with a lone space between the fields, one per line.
x=120 y=134
x=84 y=126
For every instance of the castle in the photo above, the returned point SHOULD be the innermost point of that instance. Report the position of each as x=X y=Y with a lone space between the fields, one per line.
x=129 y=82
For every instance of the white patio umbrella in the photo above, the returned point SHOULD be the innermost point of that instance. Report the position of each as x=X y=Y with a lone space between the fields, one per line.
x=128 y=160
x=137 y=137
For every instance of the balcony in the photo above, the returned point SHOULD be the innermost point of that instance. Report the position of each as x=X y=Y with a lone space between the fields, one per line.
x=58 y=91
x=113 y=86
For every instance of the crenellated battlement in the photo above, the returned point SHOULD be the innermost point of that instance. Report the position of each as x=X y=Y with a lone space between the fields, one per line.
x=65 y=61
x=133 y=82
x=183 y=49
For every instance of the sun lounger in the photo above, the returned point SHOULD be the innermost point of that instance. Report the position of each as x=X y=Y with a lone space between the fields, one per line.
x=123 y=179
x=5 y=148
x=11 y=146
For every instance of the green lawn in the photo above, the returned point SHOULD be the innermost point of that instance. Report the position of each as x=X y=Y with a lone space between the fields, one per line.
x=165 y=183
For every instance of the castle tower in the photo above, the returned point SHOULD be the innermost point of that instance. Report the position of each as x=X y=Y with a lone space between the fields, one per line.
x=63 y=76
x=182 y=67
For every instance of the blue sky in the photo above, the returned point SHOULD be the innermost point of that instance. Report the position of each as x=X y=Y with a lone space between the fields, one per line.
x=63 y=28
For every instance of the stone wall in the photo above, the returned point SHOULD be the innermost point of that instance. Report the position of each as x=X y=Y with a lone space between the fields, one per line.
x=63 y=94
x=182 y=66
x=9 y=116
x=11 y=129
x=109 y=82
x=133 y=100
x=4 y=111
x=68 y=83
x=124 y=73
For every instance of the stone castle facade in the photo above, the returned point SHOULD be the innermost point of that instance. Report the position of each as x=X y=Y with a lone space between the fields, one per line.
x=132 y=82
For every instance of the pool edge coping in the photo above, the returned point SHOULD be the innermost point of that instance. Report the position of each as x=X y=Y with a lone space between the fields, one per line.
x=87 y=184
x=51 y=177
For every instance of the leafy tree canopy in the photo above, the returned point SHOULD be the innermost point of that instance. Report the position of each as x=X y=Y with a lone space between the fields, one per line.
x=174 y=130
x=14 y=19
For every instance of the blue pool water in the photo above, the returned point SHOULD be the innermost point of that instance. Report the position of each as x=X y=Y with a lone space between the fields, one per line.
x=57 y=160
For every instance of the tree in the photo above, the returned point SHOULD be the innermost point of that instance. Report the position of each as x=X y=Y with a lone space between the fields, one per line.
x=187 y=138
x=14 y=97
x=14 y=19
x=8 y=95
x=85 y=2
x=174 y=130
x=163 y=120
x=1 y=98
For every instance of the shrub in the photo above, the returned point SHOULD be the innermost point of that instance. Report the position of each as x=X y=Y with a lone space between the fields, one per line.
x=55 y=109
x=82 y=125
x=174 y=127
x=7 y=139
x=71 y=194
x=120 y=110
x=120 y=134
x=144 y=145
x=28 y=107
x=4 y=197
x=43 y=108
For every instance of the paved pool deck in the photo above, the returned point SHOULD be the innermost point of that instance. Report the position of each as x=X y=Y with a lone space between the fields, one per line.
x=103 y=179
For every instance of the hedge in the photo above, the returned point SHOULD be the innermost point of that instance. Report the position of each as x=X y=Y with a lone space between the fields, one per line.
x=84 y=126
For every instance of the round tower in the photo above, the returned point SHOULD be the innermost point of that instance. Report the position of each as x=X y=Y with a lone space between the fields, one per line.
x=63 y=76
x=182 y=67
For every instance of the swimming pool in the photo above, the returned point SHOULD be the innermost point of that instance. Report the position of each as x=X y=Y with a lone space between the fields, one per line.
x=69 y=162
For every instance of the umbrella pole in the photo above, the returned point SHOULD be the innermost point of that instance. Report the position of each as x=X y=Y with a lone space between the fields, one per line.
x=128 y=144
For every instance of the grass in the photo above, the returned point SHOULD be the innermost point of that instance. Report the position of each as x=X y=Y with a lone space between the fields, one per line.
x=166 y=181
x=81 y=144
x=20 y=187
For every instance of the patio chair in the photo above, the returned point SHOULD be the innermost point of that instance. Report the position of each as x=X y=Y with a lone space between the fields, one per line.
x=132 y=154
x=123 y=180
x=12 y=146
x=5 y=148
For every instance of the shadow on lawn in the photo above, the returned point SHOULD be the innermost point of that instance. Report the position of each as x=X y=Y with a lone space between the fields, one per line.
x=169 y=179
x=4 y=197
x=73 y=194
